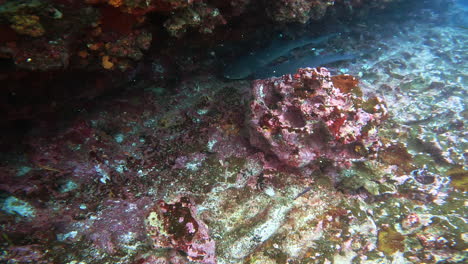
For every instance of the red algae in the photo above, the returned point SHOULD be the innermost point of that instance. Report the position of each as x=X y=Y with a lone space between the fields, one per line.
x=175 y=225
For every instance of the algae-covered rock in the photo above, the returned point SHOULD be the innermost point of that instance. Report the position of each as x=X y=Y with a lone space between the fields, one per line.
x=390 y=241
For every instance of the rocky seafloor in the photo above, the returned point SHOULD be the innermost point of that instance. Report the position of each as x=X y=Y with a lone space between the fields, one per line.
x=314 y=167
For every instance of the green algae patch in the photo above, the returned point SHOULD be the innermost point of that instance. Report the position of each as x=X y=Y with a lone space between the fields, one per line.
x=390 y=241
x=367 y=175
x=459 y=178
x=424 y=160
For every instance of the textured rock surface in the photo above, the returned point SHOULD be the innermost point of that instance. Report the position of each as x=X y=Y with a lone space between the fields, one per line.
x=298 y=10
x=200 y=16
x=175 y=225
x=306 y=118
x=80 y=190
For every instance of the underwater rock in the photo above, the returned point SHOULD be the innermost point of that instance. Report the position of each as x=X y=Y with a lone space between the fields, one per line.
x=299 y=10
x=92 y=179
x=27 y=25
x=368 y=175
x=118 y=228
x=390 y=241
x=304 y=118
x=144 y=6
x=200 y=16
x=174 y=225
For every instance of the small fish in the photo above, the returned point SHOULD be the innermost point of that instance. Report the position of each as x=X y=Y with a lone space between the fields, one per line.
x=306 y=190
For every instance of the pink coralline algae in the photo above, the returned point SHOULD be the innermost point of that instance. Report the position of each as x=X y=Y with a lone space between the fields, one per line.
x=311 y=118
x=174 y=225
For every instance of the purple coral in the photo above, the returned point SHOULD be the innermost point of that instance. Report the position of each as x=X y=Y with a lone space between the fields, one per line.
x=306 y=118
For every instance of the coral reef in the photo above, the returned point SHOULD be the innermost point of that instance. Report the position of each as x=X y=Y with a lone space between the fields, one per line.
x=304 y=119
